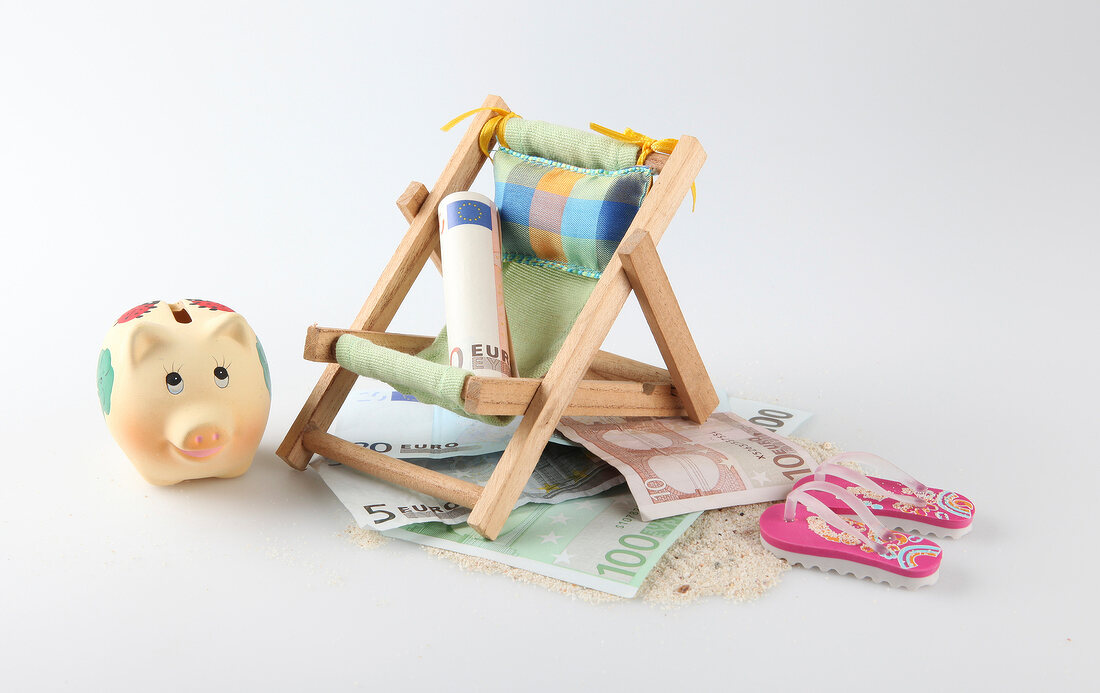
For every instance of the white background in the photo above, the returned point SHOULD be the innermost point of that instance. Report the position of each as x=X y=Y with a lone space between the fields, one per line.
x=896 y=229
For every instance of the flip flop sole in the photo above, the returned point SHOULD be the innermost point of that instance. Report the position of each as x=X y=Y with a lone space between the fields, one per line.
x=858 y=570
x=904 y=525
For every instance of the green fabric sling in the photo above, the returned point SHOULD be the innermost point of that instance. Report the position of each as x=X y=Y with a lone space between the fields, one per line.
x=565 y=197
x=537 y=335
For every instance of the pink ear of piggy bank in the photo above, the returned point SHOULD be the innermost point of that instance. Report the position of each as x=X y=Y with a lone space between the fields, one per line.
x=185 y=390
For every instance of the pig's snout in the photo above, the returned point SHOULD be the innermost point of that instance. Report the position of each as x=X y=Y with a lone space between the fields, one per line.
x=198 y=440
x=204 y=437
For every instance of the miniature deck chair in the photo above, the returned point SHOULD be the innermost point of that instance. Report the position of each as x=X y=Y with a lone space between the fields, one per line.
x=566 y=198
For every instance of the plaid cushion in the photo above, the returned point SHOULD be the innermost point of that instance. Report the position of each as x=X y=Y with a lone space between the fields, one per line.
x=562 y=216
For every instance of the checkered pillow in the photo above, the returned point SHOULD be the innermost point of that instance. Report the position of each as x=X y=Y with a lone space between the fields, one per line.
x=562 y=216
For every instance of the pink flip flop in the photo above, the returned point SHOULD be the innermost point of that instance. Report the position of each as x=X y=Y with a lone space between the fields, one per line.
x=907 y=505
x=804 y=531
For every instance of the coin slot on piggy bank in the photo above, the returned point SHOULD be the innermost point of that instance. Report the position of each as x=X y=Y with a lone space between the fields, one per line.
x=185 y=390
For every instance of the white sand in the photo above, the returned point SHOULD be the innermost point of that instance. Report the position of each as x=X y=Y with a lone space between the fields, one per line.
x=720 y=555
x=364 y=538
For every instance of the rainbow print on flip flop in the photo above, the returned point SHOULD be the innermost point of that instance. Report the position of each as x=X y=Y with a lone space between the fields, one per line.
x=906 y=504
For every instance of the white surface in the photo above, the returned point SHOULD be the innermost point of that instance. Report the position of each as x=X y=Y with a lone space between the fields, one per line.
x=896 y=229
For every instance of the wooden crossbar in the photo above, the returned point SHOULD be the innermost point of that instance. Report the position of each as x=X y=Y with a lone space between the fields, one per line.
x=513 y=396
x=619 y=386
x=321 y=342
x=393 y=470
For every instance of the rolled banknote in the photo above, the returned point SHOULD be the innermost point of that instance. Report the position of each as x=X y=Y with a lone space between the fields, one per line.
x=473 y=297
x=597 y=542
x=675 y=466
x=562 y=473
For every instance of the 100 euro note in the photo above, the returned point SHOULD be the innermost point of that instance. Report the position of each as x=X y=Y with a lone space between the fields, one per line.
x=602 y=542
x=598 y=542
x=675 y=466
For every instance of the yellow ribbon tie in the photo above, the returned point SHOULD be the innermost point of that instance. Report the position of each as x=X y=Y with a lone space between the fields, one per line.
x=494 y=127
x=646 y=146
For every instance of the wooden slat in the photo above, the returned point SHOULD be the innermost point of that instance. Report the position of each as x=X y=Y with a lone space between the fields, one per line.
x=580 y=346
x=410 y=203
x=512 y=396
x=662 y=311
x=656 y=161
x=393 y=470
x=321 y=342
x=412 y=200
x=658 y=209
x=393 y=285
x=614 y=367
x=593 y=374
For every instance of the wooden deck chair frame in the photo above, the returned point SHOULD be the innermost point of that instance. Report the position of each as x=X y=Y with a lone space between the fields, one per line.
x=582 y=379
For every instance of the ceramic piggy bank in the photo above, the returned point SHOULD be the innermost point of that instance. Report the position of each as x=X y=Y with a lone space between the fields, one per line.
x=185 y=390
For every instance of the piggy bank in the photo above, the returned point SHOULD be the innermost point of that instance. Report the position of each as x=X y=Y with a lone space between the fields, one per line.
x=185 y=390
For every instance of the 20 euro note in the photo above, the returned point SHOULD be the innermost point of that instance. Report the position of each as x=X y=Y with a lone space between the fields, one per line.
x=675 y=466
x=382 y=419
x=562 y=473
x=598 y=542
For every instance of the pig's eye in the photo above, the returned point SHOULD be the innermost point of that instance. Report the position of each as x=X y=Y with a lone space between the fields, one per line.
x=221 y=376
x=174 y=381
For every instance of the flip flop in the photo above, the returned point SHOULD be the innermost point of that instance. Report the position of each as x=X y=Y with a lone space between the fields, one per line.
x=907 y=505
x=805 y=532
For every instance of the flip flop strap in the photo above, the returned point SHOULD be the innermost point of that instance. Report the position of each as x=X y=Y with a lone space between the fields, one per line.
x=833 y=466
x=802 y=495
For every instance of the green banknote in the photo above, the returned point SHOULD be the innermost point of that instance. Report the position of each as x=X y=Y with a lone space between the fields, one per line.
x=598 y=542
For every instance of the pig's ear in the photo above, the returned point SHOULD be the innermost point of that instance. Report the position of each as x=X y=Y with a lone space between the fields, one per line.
x=144 y=340
x=233 y=326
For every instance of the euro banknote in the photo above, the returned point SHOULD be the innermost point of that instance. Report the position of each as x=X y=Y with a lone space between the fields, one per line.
x=674 y=465
x=562 y=473
x=777 y=418
x=382 y=419
x=598 y=542
x=378 y=417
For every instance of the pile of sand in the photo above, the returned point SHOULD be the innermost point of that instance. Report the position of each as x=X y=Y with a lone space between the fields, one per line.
x=719 y=555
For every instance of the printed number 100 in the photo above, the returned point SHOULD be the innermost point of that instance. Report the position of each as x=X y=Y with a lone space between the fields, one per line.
x=771 y=419
x=628 y=557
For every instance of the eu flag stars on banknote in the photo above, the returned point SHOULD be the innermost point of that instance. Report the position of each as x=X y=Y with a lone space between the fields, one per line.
x=469 y=212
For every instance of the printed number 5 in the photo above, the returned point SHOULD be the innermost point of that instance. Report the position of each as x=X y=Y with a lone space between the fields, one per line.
x=371 y=509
